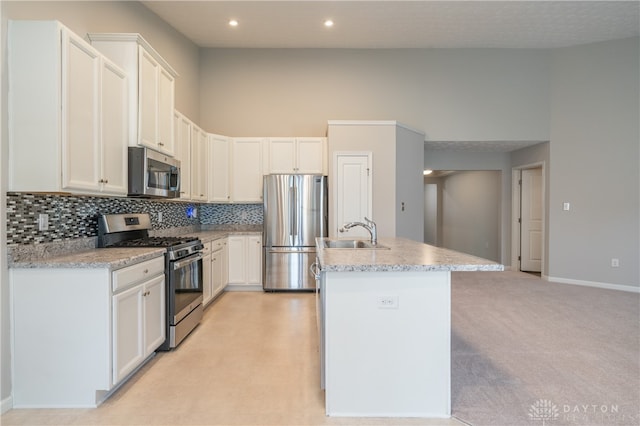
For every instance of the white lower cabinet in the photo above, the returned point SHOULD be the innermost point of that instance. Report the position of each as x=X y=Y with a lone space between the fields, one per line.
x=138 y=325
x=214 y=262
x=79 y=332
x=207 y=291
x=219 y=266
x=245 y=260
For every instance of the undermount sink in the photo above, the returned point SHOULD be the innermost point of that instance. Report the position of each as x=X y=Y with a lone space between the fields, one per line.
x=352 y=244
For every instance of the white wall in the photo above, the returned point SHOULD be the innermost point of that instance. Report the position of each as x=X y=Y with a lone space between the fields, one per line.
x=409 y=181
x=5 y=348
x=471 y=216
x=437 y=159
x=594 y=154
x=451 y=94
x=380 y=140
x=431 y=213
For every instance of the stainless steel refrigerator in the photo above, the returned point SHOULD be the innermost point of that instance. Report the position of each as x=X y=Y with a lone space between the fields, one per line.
x=295 y=213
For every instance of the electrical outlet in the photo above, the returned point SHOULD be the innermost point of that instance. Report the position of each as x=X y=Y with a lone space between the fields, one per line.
x=159 y=217
x=566 y=206
x=43 y=222
x=615 y=263
x=388 y=302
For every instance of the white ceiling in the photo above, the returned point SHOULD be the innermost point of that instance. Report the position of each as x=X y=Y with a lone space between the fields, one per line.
x=400 y=24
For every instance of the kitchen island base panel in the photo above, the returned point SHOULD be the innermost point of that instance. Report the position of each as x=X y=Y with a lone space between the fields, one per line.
x=388 y=340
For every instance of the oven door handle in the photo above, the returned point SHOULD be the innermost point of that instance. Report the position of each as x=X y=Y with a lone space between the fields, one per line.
x=189 y=260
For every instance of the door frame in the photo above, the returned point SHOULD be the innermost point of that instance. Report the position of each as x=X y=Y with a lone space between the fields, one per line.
x=516 y=204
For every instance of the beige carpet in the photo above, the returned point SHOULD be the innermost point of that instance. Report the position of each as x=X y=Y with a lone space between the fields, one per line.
x=526 y=351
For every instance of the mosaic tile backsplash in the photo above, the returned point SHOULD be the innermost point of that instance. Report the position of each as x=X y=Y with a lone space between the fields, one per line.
x=74 y=216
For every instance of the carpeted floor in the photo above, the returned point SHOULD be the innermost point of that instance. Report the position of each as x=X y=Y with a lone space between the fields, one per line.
x=526 y=351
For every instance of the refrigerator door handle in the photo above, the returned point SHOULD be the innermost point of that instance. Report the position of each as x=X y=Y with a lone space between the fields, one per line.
x=294 y=216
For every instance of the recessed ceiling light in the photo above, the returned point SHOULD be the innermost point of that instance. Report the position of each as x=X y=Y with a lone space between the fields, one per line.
x=233 y=23
x=328 y=23
x=427 y=172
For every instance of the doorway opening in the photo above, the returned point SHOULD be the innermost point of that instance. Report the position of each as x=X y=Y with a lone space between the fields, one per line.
x=463 y=211
x=528 y=218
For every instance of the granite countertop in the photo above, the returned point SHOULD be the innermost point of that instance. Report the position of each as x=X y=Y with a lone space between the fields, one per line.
x=211 y=235
x=402 y=255
x=110 y=258
x=83 y=254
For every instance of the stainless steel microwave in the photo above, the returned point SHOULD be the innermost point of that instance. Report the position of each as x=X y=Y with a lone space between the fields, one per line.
x=152 y=174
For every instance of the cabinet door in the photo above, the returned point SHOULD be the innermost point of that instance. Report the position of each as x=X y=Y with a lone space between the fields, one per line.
x=254 y=259
x=199 y=162
x=282 y=155
x=216 y=272
x=182 y=140
x=114 y=128
x=353 y=199
x=237 y=260
x=246 y=170
x=219 y=166
x=154 y=314
x=165 y=112
x=207 y=289
x=128 y=332
x=80 y=114
x=225 y=263
x=148 y=99
x=310 y=155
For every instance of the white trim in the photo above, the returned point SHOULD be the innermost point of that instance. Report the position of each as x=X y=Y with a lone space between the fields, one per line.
x=6 y=404
x=243 y=287
x=516 y=175
x=373 y=123
x=134 y=38
x=619 y=287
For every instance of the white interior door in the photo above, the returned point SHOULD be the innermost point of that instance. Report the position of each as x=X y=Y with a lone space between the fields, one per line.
x=531 y=221
x=353 y=191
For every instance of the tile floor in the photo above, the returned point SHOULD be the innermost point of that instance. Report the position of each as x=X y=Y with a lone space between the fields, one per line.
x=252 y=361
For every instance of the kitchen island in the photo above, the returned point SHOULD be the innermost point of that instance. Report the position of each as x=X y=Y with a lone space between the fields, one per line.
x=384 y=318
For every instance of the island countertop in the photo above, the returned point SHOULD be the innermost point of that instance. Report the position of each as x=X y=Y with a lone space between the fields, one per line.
x=402 y=255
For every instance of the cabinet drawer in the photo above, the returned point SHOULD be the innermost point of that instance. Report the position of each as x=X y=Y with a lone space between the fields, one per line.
x=207 y=249
x=125 y=277
x=218 y=244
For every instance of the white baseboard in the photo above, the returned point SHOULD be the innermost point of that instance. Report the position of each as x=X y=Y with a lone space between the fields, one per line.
x=242 y=287
x=6 y=404
x=608 y=286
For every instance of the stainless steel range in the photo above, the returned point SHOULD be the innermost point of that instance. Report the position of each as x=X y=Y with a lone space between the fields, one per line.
x=183 y=269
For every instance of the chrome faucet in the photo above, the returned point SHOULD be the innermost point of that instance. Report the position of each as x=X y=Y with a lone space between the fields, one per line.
x=369 y=226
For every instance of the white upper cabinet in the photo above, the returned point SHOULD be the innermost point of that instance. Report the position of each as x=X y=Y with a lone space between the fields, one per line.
x=246 y=170
x=296 y=155
x=68 y=109
x=151 y=89
x=219 y=155
x=199 y=164
x=182 y=126
x=114 y=129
